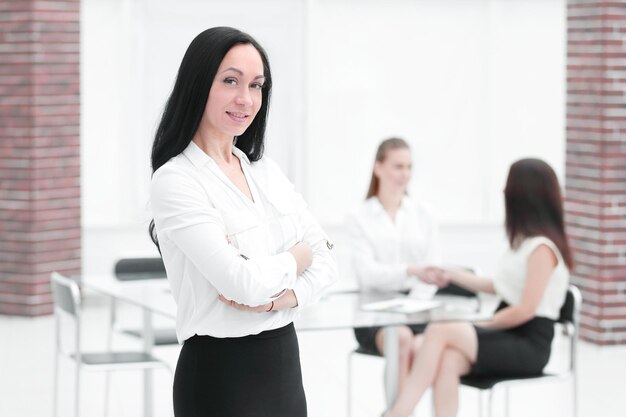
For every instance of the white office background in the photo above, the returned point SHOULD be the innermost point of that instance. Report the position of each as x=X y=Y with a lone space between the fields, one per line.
x=471 y=84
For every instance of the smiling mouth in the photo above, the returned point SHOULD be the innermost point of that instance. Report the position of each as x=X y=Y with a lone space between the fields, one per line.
x=240 y=117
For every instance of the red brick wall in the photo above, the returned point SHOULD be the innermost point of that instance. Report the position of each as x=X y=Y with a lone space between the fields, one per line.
x=596 y=163
x=39 y=150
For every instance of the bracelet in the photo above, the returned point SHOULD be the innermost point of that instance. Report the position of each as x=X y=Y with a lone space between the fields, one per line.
x=271 y=307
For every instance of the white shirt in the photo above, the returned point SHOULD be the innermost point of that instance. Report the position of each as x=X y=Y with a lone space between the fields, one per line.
x=382 y=249
x=510 y=277
x=215 y=240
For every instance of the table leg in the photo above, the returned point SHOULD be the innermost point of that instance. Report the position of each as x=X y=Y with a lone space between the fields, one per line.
x=148 y=343
x=391 y=368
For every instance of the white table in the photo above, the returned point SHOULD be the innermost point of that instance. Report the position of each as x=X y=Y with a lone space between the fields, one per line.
x=335 y=311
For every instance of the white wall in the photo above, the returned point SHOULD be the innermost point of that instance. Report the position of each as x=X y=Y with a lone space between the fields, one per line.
x=471 y=84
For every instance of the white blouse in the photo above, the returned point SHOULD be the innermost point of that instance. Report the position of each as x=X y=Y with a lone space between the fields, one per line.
x=215 y=240
x=382 y=249
x=510 y=277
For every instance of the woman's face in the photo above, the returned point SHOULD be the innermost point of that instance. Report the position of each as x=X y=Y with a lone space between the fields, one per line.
x=394 y=172
x=235 y=96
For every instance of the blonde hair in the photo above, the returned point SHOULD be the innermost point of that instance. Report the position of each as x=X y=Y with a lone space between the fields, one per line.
x=384 y=147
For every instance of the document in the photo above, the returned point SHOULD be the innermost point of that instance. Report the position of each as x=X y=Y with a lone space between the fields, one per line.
x=402 y=305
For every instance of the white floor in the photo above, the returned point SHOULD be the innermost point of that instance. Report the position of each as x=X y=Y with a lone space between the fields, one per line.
x=26 y=353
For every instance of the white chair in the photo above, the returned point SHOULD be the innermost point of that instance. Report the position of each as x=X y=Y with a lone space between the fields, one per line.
x=67 y=303
x=569 y=321
x=133 y=269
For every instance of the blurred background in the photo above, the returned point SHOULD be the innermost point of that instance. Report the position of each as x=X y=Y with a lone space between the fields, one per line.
x=472 y=85
x=466 y=83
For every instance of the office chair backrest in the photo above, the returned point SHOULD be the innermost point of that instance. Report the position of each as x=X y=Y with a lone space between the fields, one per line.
x=567 y=310
x=568 y=316
x=66 y=294
x=570 y=306
x=131 y=269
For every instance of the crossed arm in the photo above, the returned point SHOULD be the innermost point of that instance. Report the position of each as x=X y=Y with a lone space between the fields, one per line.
x=303 y=256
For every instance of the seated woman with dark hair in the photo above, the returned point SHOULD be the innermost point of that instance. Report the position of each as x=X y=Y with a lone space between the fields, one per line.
x=532 y=280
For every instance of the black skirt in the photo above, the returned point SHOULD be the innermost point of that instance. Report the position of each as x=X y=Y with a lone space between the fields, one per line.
x=366 y=336
x=520 y=351
x=251 y=376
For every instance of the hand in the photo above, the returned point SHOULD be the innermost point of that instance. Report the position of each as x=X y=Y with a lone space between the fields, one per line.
x=257 y=309
x=434 y=275
x=414 y=271
x=303 y=255
x=286 y=301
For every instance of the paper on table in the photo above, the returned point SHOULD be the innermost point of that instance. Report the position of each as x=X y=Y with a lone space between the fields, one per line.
x=422 y=291
x=402 y=305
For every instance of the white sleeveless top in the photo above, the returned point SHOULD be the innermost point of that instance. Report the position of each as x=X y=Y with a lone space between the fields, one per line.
x=510 y=278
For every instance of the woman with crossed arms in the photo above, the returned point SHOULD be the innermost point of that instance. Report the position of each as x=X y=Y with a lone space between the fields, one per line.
x=242 y=252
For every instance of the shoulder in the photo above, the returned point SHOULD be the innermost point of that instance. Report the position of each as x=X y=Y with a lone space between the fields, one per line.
x=175 y=167
x=369 y=207
x=531 y=243
x=424 y=208
x=175 y=175
x=540 y=246
x=421 y=209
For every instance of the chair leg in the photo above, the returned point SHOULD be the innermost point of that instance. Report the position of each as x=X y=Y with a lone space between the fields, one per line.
x=349 y=385
x=481 y=400
x=107 y=389
x=77 y=391
x=55 y=388
x=489 y=402
x=506 y=401
x=574 y=397
x=107 y=376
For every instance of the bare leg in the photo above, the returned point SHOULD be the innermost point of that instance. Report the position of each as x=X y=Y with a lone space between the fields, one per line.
x=416 y=345
x=405 y=338
x=437 y=338
x=446 y=386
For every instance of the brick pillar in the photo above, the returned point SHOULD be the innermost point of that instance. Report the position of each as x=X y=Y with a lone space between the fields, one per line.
x=596 y=163
x=39 y=150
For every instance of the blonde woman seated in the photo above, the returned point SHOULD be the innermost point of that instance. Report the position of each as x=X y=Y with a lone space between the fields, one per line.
x=392 y=238
x=532 y=280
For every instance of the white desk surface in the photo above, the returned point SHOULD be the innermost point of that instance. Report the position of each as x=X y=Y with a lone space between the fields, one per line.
x=334 y=311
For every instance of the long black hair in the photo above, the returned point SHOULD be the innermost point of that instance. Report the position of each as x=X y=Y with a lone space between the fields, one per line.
x=185 y=106
x=534 y=206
